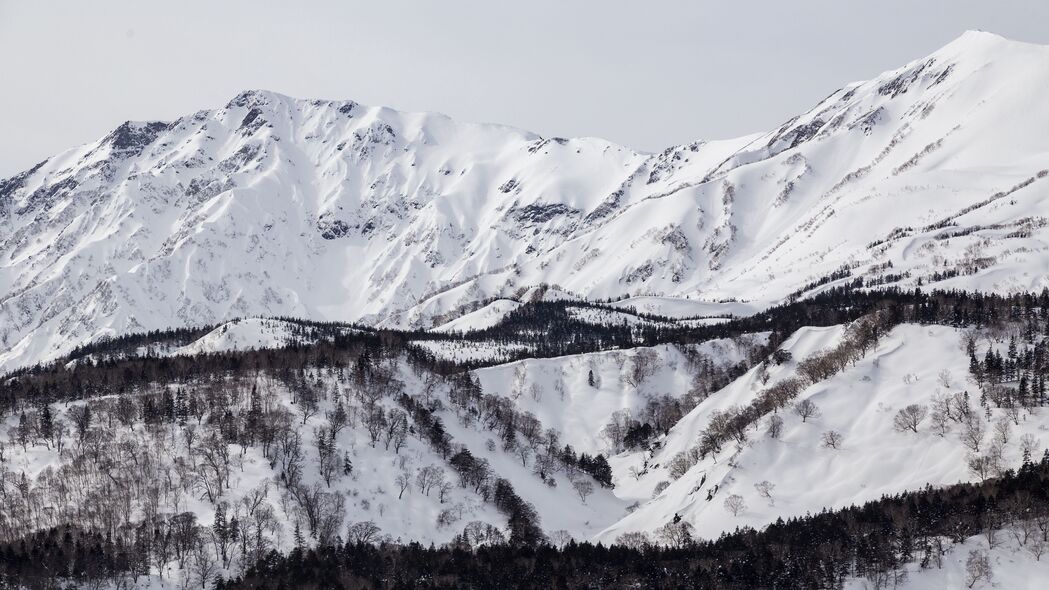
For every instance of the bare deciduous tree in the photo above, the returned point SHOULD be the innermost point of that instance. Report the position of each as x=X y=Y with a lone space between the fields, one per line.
x=616 y=429
x=337 y=420
x=642 y=365
x=375 y=423
x=363 y=532
x=832 y=439
x=81 y=416
x=1038 y=547
x=1003 y=430
x=214 y=472
x=584 y=488
x=676 y=534
x=764 y=489
x=910 y=417
x=775 y=426
x=972 y=432
x=306 y=398
x=203 y=564
x=806 y=408
x=429 y=477
x=1028 y=446
x=634 y=540
x=941 y=424
x=977 y=568
x=944 y=377
x=979 y=466
x=523 y=452
x=443 y=490
x=735 y=504
x=330 y=517
x=682 y=462
x=396 y=432
x=404 y=481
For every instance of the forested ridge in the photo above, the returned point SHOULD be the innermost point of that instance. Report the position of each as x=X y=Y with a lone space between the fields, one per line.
x=874 y=540
x=80 y=522
x=819 y=551
x=545 y=327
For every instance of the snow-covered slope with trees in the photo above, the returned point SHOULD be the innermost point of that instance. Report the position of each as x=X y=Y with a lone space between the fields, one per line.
x=851 y=449
x=304 y=321
x=1016 y=560
x=304 y=432
x=328 y=210
x=580 y=395
x=322 y=450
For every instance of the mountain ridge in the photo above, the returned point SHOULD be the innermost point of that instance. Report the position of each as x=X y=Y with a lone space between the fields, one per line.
x=337 y=211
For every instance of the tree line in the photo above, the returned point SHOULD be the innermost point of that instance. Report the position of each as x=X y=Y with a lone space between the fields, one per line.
x=875 y=540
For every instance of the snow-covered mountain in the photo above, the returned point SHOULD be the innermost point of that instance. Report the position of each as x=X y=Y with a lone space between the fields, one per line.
x=274 y=206
x=265 y=269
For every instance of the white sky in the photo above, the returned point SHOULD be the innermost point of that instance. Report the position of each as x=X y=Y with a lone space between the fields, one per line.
x=645 y=74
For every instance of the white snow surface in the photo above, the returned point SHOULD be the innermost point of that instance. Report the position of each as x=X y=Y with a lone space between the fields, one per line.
x=486 y=317
x=331 y=210
x=244 y=334
x=1013 y=566
x=859 y=403
x=558 y=393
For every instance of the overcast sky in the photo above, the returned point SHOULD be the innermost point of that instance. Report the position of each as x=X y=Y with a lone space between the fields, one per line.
x=645 y=74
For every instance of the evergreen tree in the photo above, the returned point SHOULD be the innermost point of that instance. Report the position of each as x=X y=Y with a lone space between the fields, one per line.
x=601 y=471
x=24 y=432
x=300 y=542
x=47 y=423
x=181 y=408
x=168 y=406
x=974 y=368
x=989 y=367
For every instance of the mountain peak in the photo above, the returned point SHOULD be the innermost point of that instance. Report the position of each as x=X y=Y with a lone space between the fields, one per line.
x=434 y=216
x=255 y=97
x=979 y=35
x=977 y=41
x=131 y=137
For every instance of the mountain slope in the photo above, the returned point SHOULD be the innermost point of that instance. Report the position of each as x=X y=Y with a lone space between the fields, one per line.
x=913 y=365
x=273 y=206
x=301 y=431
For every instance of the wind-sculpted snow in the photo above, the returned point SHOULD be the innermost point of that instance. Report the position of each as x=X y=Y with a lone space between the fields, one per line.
x=329 y=210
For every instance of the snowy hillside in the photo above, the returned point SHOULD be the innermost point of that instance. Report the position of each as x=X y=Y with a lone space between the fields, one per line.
x=247 y=334
x=331 y=210
x=913 y=365
x=361 y=467
x=580 y=395
x=480 y=319
x=1011 y=563
x=308 y=433
x=242 y=342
